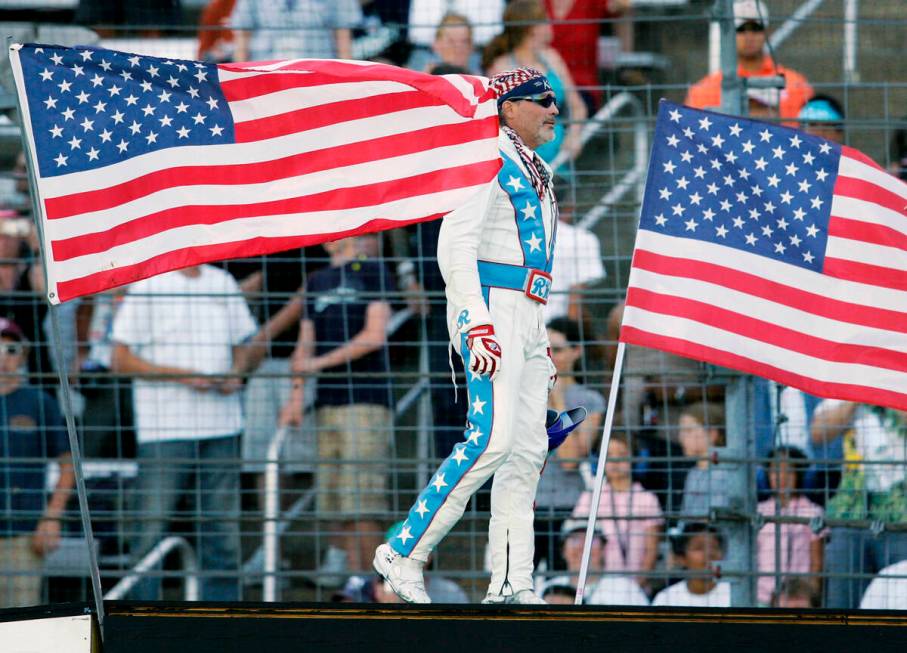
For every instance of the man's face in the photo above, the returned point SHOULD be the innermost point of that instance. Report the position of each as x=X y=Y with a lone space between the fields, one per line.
x=532 y=122
x=702 y=550
x=828 y=131
x=750 y=40
x=454 y=45
x=573 y=552
x=12 y=356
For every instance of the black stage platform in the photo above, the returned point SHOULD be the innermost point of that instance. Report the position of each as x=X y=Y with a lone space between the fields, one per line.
x=278 y=628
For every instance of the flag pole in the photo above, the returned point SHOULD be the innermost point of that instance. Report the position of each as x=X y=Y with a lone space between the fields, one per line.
x=600 y=473
x=76 y=452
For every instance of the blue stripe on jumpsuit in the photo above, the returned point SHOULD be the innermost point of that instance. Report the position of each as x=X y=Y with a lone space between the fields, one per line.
x=457 y=464
x=527 y=212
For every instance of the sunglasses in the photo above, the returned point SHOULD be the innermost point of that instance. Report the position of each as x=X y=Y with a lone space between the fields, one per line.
x=10 y=349
x=542 y=100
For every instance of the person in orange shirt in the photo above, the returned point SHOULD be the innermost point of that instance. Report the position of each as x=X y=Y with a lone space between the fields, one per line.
x=751 y=19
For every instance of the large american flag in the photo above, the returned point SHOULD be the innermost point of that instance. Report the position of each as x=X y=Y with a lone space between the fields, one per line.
x=145 y=165
x=770 y=251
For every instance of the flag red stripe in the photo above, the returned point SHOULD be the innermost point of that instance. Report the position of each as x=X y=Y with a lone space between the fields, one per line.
x=764 y=331
x=332 y=113
x=868 y=232
x=876 y=275
x=180 y=258
x=245 y=88
x=254 y=173
x=757 y=286
x=851 y=392
x=851 y=153
x=333 y=200
x=869 y=192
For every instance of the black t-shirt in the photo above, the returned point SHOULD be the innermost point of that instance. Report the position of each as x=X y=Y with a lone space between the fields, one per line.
x=336 y=300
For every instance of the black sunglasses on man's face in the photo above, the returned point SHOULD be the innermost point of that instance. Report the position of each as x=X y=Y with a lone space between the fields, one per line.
x=541 y=100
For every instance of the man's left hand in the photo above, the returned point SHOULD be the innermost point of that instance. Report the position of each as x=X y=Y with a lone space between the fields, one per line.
x=46 y=537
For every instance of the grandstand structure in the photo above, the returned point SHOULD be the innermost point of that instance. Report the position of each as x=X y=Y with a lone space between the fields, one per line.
x=287 y=588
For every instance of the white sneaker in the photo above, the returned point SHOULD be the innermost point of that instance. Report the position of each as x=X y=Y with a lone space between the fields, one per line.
x=403 y=574
x=333 y=570
x=522 y=597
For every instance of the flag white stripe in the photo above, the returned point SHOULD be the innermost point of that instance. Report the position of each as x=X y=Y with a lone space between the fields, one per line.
x=336 y=135
x=783 y=273
x=286 y=188
x=865 y=211
x=848 y=167
x=294 y=99
x=862 y=252
x=705 y=335
x=274 y=226
x=782 y=315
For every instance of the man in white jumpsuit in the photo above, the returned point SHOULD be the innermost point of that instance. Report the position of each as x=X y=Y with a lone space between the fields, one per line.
x=495 y=256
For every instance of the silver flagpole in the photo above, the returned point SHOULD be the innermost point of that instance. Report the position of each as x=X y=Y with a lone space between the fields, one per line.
x=76 y=451
x=600 y=473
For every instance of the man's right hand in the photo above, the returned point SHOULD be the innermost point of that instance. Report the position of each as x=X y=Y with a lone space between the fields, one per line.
x=291 y=413
x=485 y=351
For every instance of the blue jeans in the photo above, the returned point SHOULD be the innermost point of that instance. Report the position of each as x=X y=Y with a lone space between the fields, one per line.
x=205 y=472
x=857 y=551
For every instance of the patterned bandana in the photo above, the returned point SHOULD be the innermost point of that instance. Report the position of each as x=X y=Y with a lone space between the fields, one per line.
x=520 y=82
x=538 y=175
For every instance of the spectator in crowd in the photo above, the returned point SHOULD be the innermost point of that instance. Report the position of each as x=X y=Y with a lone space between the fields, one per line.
x=426 y=15
x=565 y=475
x=31 y=432
x=873 y=487
x=271 y=29
x=796 y=594
x=897 y=152
x=888 y=590
x=602 y=588
x=526 y=41
x=452 y=46
x=787 y=548
x=557 y=593
x=698 y=547
x=342 y=340
x=577 y=265
x=181 y=336
x=629 y=515
x=215 y=42
x=575 y=33
x=702 y=427
x=751 y=21
x=823 y=116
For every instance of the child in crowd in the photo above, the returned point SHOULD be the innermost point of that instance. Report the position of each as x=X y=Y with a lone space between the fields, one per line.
x=700 y=545
x=702 y=427
x=630 y=516
x=784 y=549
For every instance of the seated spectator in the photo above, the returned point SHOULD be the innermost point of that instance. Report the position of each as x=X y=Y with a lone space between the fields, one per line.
x=273 y=29
x=452 y=47
x=577 y=264
x=343 y=343
x=823 y=116
x=575 y=35
x=702 y=427
x=558 y=593
x=601 y=588
x=629 y=515
x=426 y=15
x=183 y=336
x=795 y=593
x=786 y=548
x=873 y=487
x=526 y=41
x=31 y=434
x=562 y=480
x=751 y=21
x=888 y=590
x=699 y=546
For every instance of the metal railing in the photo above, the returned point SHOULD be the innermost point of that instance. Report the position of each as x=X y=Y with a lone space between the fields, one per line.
x=189 y=566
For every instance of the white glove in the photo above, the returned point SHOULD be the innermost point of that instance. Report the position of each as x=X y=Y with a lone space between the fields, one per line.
x=485 y=351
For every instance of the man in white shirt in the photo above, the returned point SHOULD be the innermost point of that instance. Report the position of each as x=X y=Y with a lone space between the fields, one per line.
x=577 y=263
x=181 y=336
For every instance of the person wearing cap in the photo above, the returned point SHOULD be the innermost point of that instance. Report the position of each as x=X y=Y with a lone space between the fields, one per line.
x=31 y=434
x=751 y=21
x=823 y=116
x=602 y=589
x=495 y=255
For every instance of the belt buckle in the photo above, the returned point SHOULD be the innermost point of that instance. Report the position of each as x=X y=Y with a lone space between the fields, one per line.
x=538 y=286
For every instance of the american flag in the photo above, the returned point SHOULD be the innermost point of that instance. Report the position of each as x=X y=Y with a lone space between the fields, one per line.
x=770 y=251
x=145 y=164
